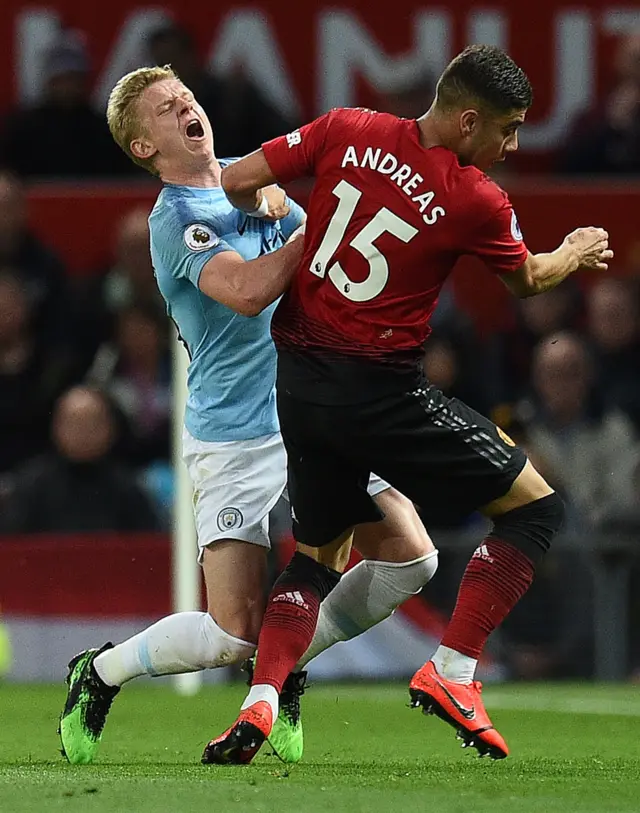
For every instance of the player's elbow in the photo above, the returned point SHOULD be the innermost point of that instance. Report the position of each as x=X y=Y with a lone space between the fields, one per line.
x=250 y=303
x=524 y=282
x=250 y=309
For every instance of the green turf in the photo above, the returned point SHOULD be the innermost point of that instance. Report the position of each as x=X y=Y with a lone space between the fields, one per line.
x=573 y=749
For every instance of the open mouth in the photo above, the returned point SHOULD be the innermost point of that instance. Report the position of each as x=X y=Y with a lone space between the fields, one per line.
x=195 y=130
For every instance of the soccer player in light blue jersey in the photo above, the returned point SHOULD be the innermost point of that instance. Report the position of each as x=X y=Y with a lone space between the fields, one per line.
x=220 y=271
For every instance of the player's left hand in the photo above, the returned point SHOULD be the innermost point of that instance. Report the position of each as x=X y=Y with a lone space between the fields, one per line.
x=277 y=200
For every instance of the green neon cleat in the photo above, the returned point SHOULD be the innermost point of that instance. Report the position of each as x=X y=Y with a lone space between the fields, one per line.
x=86 y=708
x=286 y=737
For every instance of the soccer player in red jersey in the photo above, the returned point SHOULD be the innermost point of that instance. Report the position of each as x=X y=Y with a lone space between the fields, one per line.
x=395 y=204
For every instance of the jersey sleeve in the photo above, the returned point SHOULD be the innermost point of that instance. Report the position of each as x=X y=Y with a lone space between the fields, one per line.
x=294 y=155
x=185 y=246
x=498 y=241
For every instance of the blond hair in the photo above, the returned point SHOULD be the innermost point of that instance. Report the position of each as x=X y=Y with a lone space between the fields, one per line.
x=122 y=109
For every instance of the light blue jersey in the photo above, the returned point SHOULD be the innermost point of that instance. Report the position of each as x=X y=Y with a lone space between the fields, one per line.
x=232 y=372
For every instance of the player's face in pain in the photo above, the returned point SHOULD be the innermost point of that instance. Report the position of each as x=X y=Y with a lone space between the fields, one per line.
x=490 y=137
x=175 y=127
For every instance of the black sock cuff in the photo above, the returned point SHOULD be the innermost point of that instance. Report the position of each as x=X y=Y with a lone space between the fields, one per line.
x=532 y=527
x=303 y=568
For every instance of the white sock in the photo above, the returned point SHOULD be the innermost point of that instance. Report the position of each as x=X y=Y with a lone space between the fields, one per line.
x=366 y=595
x=184 y=642
x=453 y=665
x=263 y=691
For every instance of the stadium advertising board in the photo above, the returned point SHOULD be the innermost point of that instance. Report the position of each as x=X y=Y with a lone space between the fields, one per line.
x=311 y=56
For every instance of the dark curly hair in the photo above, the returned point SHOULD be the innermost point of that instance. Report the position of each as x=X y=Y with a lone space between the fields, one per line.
x=488 y=75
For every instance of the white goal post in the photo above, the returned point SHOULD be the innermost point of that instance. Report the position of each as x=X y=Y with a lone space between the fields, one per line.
x=185 y=576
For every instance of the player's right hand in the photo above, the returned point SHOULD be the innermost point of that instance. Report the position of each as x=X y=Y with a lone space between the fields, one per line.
x=591 y=248
x=277 y=200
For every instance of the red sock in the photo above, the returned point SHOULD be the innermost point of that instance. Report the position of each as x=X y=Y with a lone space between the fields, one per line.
x=290 y=619
x=496 y=578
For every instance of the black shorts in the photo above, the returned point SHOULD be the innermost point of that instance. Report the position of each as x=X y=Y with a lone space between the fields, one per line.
x=445 y=457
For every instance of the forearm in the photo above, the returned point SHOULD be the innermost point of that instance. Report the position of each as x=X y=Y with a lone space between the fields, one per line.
x=247 y=201
x=545 y=271
x=263 y=280
x=586 y=248
x=244 y=180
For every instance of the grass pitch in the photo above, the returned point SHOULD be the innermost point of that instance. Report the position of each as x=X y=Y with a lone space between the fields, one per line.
x=574 y=748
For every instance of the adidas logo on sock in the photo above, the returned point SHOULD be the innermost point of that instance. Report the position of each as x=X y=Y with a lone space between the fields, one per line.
x=482 y=552
x=292 y=598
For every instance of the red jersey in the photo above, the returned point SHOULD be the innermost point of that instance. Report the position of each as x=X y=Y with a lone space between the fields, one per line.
x=387 y=222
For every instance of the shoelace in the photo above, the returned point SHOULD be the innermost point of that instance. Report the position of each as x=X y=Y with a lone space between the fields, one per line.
x=97 y=708
x=292 y=691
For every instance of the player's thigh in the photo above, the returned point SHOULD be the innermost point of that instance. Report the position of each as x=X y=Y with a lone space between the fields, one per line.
x=235 y=486
x=334 y=554
x=401 y=536
x=528 y=486
x=443 y=455
x=327 y=491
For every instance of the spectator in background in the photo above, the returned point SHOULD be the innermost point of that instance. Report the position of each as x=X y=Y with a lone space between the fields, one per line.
x=549 y=634
x=447 y=368
x=76 y=137
x=41 y=272
x=587 y=450
x=607 y=140
x=136 y=373
x=613 y=322
x=78 y=486
x=242 y=118
x=33 y=373
x=510 y=354
x=130 y=280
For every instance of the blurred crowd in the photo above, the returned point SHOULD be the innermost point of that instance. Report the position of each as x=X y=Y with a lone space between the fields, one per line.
x=78 y=141
x=85 y=367
x=602 y=140
x=85 y=383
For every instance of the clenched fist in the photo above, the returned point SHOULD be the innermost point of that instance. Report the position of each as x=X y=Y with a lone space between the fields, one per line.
x=277 y=200
x=590 y=246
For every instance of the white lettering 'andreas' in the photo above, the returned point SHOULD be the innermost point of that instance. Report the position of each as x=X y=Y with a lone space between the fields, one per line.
x=400 y=174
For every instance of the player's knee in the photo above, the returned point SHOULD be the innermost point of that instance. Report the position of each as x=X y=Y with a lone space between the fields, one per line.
x=410 y=577
x=319 y=577
x=241 y=618
x=218 y=647
x=401 y=536
x=532 y=527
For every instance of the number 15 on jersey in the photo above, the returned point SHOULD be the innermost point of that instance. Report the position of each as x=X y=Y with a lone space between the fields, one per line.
x=384 y=221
